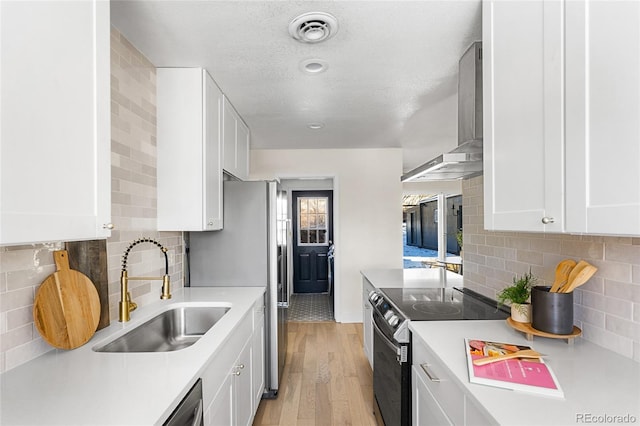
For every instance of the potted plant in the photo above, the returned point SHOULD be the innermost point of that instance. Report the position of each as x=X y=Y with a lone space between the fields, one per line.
x=518 y=295
x=459 y=239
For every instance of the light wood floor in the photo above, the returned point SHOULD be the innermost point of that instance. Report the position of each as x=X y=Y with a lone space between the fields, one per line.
x=327 y=379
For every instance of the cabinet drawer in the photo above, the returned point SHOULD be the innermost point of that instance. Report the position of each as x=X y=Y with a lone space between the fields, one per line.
x=425 y=409
x=439 y=382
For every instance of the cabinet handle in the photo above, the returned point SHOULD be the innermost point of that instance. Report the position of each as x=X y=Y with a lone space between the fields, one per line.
x=431 y=376
x=108 y=226
x=241 y=366
x=236 y=373
x=546 y=220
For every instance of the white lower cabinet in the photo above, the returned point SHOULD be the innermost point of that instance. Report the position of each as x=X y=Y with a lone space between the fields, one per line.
x=425 y=408
x=243 y=405
x=220 y=412
x=258 y=355
x=233 y=381
x=437 y=399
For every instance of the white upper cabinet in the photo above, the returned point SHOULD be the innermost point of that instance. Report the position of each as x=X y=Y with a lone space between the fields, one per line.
x=603 y=117
x=561 y=116
x=189 y=150
x=236 y=142
x=55 y=143
x=523 y=134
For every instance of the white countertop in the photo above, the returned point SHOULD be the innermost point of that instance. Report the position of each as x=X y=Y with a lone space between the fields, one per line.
x=81 y=386
x=412 y=278
x=595 y=381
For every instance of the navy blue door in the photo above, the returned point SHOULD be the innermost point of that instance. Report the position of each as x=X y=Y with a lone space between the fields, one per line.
x=312 y=233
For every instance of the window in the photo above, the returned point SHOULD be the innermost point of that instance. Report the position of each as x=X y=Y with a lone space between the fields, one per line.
x=313 y=220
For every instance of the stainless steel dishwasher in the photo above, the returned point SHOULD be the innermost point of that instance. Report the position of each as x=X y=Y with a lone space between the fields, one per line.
x=190 y=410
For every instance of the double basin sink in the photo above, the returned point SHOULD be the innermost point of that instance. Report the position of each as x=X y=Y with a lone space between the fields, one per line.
x=171 y=330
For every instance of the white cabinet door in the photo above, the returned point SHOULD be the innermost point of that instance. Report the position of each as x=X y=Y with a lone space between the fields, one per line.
x=229 y=131
x=220 y=412
x=258 y=360
x=603 y=116
x=212 y=155
x=235 y=134
x=55 y=174
x=243 y=137
x=189 y=150
x=523 y=110
x=242 y=388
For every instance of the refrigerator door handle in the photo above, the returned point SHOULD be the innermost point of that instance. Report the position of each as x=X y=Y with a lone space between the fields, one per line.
x=286 y=260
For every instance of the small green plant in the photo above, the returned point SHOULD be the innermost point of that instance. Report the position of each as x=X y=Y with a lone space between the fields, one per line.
x=459 y=237
x=520 y=291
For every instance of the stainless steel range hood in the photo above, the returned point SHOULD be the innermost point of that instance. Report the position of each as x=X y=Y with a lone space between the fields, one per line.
x=466 y=160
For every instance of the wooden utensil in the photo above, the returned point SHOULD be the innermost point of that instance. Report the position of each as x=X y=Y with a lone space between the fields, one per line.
x=525 y=353
x=573 y=274
x=66 y=310
x=582 y=277
x=563 y=270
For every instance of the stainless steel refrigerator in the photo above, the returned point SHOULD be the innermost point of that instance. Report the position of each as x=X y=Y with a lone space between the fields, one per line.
x=251 y=250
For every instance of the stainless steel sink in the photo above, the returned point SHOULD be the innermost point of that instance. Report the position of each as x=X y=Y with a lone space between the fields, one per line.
x=171 y=330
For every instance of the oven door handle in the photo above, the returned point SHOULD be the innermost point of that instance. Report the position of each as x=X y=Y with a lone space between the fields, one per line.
x=386 y=340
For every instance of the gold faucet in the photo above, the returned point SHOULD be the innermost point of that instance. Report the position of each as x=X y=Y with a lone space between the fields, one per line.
x=126 y=305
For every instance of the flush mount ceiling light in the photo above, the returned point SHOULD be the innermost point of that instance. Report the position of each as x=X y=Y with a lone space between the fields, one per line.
x=313 y=27
x=315 y=126
x=313 y=66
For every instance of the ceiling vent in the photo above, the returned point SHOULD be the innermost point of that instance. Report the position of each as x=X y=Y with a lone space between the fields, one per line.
x=313 y=27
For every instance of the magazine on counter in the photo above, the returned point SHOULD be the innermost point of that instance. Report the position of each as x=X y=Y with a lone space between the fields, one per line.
x=528 y=375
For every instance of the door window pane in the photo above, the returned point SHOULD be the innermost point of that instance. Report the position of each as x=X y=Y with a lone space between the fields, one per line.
x=313 y=220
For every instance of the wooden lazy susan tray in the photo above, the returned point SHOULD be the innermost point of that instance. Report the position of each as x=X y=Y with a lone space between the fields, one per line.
x=529 y=331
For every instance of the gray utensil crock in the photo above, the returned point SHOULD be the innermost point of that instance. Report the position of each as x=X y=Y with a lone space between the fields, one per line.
x=551 y=312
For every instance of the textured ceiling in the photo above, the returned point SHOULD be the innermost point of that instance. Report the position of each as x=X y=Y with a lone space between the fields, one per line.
x=390 y=82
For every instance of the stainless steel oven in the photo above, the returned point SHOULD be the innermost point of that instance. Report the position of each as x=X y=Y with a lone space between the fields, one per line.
x=393 y=308
x=391 y=375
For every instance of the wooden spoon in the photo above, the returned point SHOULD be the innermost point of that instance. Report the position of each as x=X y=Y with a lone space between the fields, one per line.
x=572 y=276
x=525 y=353
x=563 y=270
x=582 y=277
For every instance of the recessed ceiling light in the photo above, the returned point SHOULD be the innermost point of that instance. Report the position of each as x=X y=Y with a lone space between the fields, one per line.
x=313 y=66
x=313 y=27
x=315 y=126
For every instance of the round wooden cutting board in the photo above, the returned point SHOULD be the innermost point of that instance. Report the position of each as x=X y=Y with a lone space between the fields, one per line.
x=66 y=310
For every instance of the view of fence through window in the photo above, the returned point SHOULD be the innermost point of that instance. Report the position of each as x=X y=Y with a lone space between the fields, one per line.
x=313 y=220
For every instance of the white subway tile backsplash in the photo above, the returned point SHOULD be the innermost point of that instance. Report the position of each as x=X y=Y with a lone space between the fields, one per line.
x=607 y=307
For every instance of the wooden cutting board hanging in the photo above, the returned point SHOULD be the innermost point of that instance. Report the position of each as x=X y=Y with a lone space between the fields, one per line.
x=66 y=310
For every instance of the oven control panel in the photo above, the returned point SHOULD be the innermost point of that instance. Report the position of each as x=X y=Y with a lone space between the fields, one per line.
x=396 y=323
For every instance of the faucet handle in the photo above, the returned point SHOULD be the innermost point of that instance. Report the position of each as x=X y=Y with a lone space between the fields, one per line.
x=132 y=305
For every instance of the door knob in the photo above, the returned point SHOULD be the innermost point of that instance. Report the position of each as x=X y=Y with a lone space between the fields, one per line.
x=546 y=220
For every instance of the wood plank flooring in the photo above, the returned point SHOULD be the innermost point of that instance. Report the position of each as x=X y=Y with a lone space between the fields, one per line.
x=327 y=379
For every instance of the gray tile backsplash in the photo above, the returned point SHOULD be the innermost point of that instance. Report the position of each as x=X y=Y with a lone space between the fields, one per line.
x=606 y=308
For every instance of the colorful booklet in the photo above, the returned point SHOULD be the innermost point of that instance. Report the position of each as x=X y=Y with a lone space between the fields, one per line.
x=529 y=375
